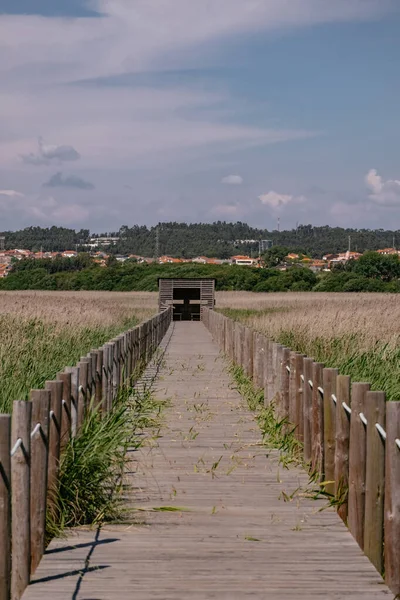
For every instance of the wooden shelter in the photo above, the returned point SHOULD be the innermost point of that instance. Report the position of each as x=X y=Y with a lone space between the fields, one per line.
x=188 y=297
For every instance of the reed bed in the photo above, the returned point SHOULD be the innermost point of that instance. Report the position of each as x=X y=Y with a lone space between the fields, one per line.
x=42 y=332
x=357 y=333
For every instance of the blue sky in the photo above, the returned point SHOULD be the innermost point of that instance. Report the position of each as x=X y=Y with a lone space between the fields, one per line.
x=138 y=111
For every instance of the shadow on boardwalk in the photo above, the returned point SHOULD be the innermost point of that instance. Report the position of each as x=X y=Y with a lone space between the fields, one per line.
x=210 y=501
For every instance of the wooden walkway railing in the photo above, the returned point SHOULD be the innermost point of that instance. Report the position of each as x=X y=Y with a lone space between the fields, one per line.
x=33 y=438
x=350 y=435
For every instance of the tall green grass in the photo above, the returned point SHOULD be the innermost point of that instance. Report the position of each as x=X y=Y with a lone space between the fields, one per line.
x=92 y=487
x=276 y=433
x=33 y=351
x=353 y=354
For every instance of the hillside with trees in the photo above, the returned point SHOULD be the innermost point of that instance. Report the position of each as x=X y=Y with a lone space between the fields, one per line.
x=372 y=272
x=219 y=239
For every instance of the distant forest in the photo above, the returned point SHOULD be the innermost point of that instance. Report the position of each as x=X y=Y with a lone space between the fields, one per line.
x=217 y=239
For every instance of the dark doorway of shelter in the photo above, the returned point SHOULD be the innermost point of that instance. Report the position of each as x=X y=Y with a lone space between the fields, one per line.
x=186 y=304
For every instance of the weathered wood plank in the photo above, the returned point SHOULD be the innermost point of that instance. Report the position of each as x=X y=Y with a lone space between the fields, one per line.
x=231 y=535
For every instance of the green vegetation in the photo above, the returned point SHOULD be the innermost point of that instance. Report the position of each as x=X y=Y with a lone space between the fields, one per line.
x=357 y=353
x=373 y=272
x=130 y=276
x=92 y=487
x=212 y=239
x=276 y=433
x=33 y=351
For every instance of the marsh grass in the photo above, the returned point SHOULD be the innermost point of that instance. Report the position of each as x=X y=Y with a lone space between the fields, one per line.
x=358 y=334
x=92 y=485
x=276 y=433
x=41 y=333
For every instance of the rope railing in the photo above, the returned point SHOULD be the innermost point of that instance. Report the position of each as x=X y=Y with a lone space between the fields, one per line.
x=335 y=421
x=58 y=413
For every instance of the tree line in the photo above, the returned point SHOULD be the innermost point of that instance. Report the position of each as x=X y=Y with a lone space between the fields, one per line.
x=371 y=273
x=217 y=239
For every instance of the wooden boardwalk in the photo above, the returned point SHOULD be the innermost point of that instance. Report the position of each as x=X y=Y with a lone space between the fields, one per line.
x=231 y=535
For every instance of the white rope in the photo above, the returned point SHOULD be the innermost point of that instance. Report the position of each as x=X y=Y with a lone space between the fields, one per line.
x=346 y=408
x=302 y=377
x=381 y=431
x=35 y=430
x=321 y=390
x=310 y=383
x=288 y=368
x=363 y=419
x=17 y=445
x=397 y=442
x=334 y=398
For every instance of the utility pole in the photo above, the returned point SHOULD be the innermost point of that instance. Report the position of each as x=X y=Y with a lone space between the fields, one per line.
x=394 y=245
x=157 y=248
x=279 y=224
x=349 y=243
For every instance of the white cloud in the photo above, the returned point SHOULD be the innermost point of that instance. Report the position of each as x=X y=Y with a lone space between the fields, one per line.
x=232 y=180
x=384 y=193
x=127 y=127
x=275 y=200
x=11 y=193
x=50 y=154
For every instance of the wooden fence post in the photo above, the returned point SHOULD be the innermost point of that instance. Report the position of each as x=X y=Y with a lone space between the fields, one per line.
x=317 y=429
x=357 y=462
x=5 y=506
x=392 y=495
x=342 y=444
x=292 y=389
x=84 y=394
x=375 y=480
x=115 y=368
x=99 y=379
x=66 y=417
x=278 y=378
x=248 y=344
x=284 y=404
x=329 y=385
x=307 y=409
x=299 y=397
x=56 y=392
x=20 y=498
x=40 y=400
x=93 y=363
x=269 y=373
x=74 y=398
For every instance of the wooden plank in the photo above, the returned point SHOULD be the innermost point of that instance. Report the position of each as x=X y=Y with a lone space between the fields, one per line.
x=40 y=400
x=230 y=534
x=329 y=407
x=357 y=462
x=392 y=495
x=20 y=498
x=342 y=444
x=5 y=506
x=375 y=479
